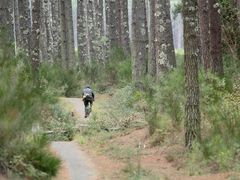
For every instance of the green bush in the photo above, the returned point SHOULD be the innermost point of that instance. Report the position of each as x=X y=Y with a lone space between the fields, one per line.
x=21 y=101
x=60 y=81
x=59 y=124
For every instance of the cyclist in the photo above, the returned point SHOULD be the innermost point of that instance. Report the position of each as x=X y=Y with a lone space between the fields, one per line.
x=88 y=97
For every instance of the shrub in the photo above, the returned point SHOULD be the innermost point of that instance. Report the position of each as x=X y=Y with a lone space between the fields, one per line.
x=59 y=123
x=60 y=81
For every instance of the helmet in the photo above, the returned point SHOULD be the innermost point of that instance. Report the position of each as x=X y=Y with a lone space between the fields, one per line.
x=87 y=86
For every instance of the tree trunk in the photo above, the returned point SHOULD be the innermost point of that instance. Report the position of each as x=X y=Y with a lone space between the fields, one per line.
x=6 y=27
x=238 y=7
x=193 y=119
x=35 y=37
x=140 y=40
x=67 y=39
x=63 y=28
x=204 y=33
x=125 y=40
x=112 y=15
x=46 y=31
x=82 y=31
x=25 y=25
x=56 y=33
x=152 y=39
x=17 y=27
x=164 y=46
x=91 y=28
x=215 y=38
x=100 y=30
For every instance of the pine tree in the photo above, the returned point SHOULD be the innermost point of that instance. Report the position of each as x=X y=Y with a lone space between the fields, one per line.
x=215 y=37
x=56 y=32
x=164 y=46
x=192 y=112
x=204 y=33
x=82 y=30
x=140 y=40
x=35 y=37
x=6 y=27
x=152 y=39
x=24 y=25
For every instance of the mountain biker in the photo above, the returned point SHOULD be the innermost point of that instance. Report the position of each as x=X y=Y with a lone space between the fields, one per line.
x=88 y=97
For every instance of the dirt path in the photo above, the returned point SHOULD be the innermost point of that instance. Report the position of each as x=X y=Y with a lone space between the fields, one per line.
x=76 y=163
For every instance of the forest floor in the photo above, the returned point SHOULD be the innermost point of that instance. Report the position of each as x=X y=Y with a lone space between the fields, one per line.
x=116 y=155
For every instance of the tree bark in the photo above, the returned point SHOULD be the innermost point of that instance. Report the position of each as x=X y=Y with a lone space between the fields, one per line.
x=164 y=45
x=140 y=40
x=35 y=37
x=67 y=40
x=125 y=39
x=82 y=32
x=6 y=27
x=91 y=28
x=192 y=112
x=56 y=33
x=152 y=39
x=25 y=25
x=17 y=27
x=215 y=38
x=204 y=33
x=112 y=14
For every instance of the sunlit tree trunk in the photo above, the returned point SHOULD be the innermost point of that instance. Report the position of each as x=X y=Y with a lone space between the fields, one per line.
x=215 y=37
x=152 y=39
x=24 y=25
x=140 y=40
x=204 y=32
x=165 y=53
x=192 y=112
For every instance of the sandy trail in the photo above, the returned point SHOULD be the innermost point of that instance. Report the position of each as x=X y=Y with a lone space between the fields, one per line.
x=76 y=163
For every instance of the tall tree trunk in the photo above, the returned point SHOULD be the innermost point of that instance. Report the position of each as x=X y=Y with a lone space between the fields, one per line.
x=125 y=39
x=165 y=49
x=204 y=33
x=67 y=39
x=56 y=32
x=46 y=31
x=117 y=22
x=35 y=37
x=25 y=25
x=152 y=39
x=6 y=27
x=140 y=40
x=91 y=28
x=215 y=38
x=99 y=30
x=17 y=27
x=193 y=119
x=111 y=22
x=63 y=34
x=238 y=7
x=82 y=31
x=49 y=31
